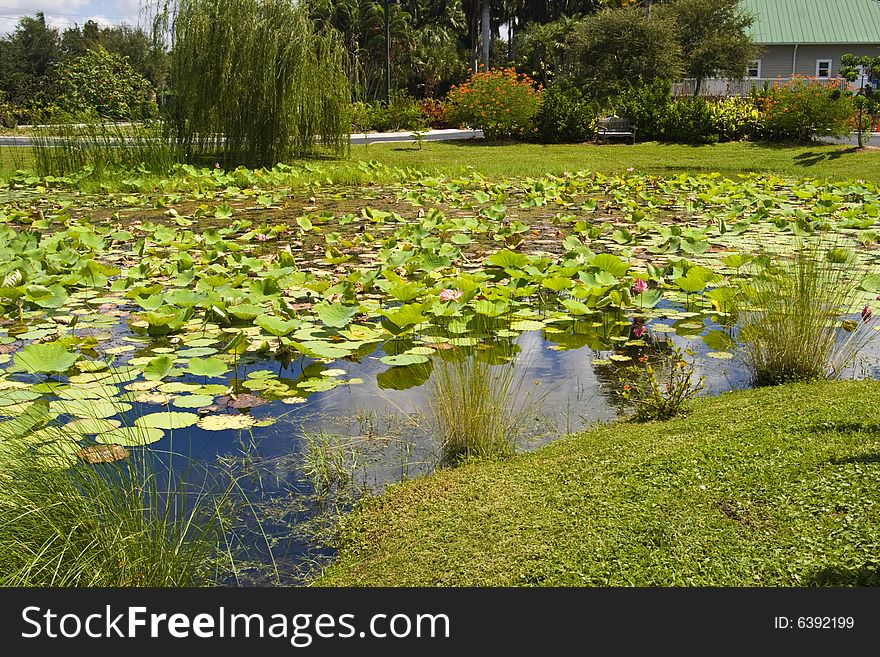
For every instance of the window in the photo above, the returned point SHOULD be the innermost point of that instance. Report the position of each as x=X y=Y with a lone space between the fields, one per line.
x=753 y=70
x=823 y=68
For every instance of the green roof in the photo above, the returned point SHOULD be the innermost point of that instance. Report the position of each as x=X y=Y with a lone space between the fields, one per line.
x=814 y=21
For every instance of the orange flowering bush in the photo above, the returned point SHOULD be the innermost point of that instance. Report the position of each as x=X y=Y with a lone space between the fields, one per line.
x=500 y=101
x=805 y=108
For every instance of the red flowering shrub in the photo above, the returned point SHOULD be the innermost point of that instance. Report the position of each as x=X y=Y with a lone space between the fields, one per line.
x=435 y=113
x=805 y=108
x=499 y=101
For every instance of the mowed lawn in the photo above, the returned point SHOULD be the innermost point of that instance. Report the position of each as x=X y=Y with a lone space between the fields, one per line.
x=512 y=161
x=534 y=160
x=772 y=486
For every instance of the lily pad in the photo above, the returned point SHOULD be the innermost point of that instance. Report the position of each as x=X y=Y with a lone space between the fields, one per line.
x=192 y=401
x=226 y=421
x=210 y=367
x=405 y=359
x=48 y=358
x=131 y=436
x=167 y=420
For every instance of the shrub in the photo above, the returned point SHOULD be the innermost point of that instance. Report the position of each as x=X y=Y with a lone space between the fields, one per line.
x=793 y=325
x=566 y=115
x=689 y=121
x=105 y=84
x=661 y=389
x=646 y=106
x=736 y=119
x=501 y=102
x=659 y=116
x=402 y=113
x=7 y=115
x=802 y=109
x=435 y=113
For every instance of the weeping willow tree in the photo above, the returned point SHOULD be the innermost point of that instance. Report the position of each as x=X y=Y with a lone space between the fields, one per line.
x=255 y=83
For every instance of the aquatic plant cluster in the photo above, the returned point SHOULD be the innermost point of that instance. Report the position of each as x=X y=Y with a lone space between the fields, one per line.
x=162 y=302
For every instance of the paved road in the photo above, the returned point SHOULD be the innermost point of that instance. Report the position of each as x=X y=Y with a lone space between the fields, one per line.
x=356 y=139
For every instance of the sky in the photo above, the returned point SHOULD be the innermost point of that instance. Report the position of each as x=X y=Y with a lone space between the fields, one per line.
x=62 y=13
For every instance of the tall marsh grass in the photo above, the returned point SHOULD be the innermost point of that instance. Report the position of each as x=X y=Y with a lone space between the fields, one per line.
x=800 y=318
x=478 y=408
x=70 y=147
x=112 y=524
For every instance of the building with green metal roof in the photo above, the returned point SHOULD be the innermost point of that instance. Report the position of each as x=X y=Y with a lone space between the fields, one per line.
x=808 y=37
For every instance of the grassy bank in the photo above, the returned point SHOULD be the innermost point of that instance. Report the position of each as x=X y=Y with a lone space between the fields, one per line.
x=775 y=486
x=531 y=160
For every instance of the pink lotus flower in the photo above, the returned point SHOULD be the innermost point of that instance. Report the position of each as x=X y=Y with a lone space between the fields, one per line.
x=639 y=286
x=866 y=313
x=639 y=330
x=260 y=237
x=450 y=295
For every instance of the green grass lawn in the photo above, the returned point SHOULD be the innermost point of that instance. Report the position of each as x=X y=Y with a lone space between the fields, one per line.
x=773 y=486
x=513 y=161
x=730 y=159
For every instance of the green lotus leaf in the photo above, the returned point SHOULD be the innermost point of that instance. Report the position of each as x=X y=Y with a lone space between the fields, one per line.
x=403 y=317
x=46 y=358
x=335 y=315
x=557 y=283
x=275 y=325
x=610 y=264
x=576 y=307
x=508 y=260
x=210 y=367
x=131 y=436
x=245 y=311
x=404 y=359
x=318 y=349
x=647 y=299
x=167 y=420
x=158 y=368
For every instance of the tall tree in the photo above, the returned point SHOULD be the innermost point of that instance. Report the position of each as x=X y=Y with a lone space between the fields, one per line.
x=713 y=37
x=627 y=46
x=32 y=52
x=257 y=73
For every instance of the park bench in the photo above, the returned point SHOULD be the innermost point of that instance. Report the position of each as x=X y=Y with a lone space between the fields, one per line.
x=613 y=126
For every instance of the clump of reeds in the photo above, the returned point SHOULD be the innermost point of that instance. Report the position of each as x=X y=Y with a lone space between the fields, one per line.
x=801 y=319
x=476 y=408
x=72 y=144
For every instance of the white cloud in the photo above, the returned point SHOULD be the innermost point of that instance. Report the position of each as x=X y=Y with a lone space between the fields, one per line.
x=64 y=13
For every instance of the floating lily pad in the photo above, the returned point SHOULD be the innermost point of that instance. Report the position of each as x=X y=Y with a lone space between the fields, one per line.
x=226 y=421
x=167 y=420
x=405 y=359
x=192 y=401
x=49 y=358
x=210 y=367
x=131 y=436
x=89 y=426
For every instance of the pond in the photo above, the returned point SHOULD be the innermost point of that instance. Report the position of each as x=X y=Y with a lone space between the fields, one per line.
x=288 y=339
